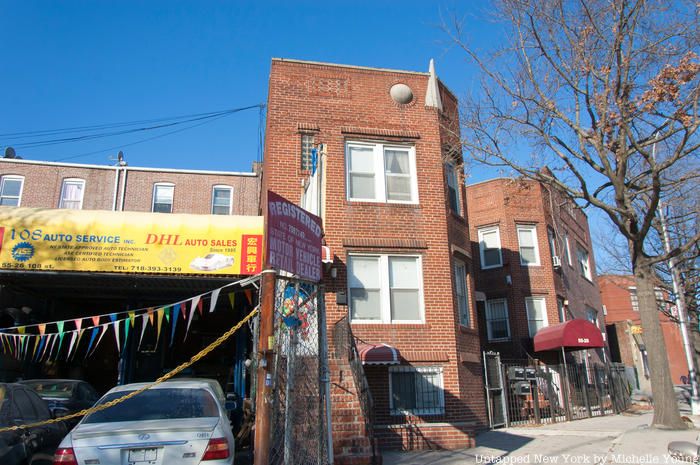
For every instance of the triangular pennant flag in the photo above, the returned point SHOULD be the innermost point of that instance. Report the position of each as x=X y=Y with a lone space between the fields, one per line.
x=249 y=295
x=132 y=315
x=60 y=342
x=200 y=307
x=144 y=323
x=36 y=345
x=59 y=326
x=96 y=321
x=195 y=303
x=21 y=329
x=2 y=341
x=42 y=329
x=74 y=335
x=113 y=317
x=167 y=314
x=183 y=310
x=116 y=334
x=231 y=298
x=172 y=333
x=49 y=351
x=95 y=330
x=42 y=343
x=214 y=299
x=150 y=315
x=189 y=321
x=126 y=334
x=77 y=343
x=78 y=323
x=103 y=331
x=160 y=324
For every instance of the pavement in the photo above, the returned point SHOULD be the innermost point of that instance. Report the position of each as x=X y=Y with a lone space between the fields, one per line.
x=613 y=439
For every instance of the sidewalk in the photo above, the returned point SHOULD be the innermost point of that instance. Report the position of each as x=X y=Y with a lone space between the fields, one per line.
x=614 y=439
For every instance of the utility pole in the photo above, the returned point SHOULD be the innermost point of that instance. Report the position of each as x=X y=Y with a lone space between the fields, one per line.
x=263 y=398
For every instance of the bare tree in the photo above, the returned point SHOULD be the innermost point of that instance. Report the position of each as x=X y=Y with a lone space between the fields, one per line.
x=587 y=88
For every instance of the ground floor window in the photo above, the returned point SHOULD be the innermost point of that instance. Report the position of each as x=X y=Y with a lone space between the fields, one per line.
x=416 y=390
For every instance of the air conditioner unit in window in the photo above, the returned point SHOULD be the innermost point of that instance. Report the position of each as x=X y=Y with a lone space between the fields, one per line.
x=556 y=261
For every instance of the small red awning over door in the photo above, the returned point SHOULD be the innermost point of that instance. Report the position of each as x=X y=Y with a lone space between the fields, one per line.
x=378 y=354
x=572 y=334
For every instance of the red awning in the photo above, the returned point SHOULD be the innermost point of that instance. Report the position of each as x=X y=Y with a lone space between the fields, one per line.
x=378 y=354
x=572 y=334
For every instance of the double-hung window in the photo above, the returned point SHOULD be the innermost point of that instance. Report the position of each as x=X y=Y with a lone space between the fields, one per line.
x=416 y=390
x=584 y=262
x=72 y=193
x=497 y=325
x=561 y=309
x=592 y=315
x=490 y=247
x=527 y=241
x=11 y=190
x=221 y=200
x=163 y=197
x=381 y=173
x=460 y=272
x=453 y=188
x=567 y=249
x=634 y=300
x=536 y=314
x=385 y=288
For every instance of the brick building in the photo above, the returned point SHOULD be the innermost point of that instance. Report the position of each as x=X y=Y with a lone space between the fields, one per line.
x=625 y=331
x=534 y=264
x=393 y=207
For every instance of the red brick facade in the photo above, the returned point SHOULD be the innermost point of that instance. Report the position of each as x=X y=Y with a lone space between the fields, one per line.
x=341 y=104
x=192 y=194
x=624 y=319
x=506 y=204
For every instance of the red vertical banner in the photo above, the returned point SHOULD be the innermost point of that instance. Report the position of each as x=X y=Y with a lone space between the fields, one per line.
x=251 y=254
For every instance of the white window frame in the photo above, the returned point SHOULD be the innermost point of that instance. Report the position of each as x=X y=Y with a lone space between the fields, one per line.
x=567 y=249
x=453 y=176
x=435 y=370
x=213 y=190
x=380 y=191
x=590 y=309
x=489 y=334
x=12 y=177
x=153 y=199
x=460 y=264
x=561 y=309
x=584 y=268
x=545 y=320
x=480 y=233
x=634 y=302
x=533 y=229
x=65 y=183
x=385 y=290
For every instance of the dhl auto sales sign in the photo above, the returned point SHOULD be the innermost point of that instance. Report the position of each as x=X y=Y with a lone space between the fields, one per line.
x=129 y=242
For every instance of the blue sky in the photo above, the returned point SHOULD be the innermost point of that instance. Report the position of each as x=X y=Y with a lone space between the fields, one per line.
x=79 y=63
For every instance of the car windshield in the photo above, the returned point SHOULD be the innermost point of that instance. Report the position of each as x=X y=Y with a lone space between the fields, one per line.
x=210 y=256
x=62 y=390
x=157 y=404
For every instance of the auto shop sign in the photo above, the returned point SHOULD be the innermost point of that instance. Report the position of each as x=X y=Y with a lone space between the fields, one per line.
x=293 y=238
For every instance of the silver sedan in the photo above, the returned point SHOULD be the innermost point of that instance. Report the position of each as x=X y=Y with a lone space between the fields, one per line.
x=176 y=422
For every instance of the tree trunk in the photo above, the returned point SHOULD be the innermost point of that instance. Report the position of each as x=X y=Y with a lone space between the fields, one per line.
x=666 y=413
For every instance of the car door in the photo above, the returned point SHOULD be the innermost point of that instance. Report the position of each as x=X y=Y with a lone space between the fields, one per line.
x=26 y=414
x=11 y=447
x=47 y=437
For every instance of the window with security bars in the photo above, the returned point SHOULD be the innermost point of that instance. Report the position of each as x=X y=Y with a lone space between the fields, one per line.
x=416 y=390
x=11 y=190
x=497 y=325
x=163 y=198
x=461 y=292
x=221 y=200
x=307 y=144
x=72 y=193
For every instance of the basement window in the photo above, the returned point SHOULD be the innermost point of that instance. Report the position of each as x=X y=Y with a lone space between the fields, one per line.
x=416 y=390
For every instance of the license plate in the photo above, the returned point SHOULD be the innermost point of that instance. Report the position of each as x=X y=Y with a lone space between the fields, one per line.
x=142 y=455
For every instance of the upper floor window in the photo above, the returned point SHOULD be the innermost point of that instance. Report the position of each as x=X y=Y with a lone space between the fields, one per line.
x=416 y=390
x=584 y=262
x=307 y=144
x=163 y=197
x=634 y=300
x=536 y=314
x=11 y=190
x=461 y=292
x=592 y=315
x=381 y=173
x=567 y=249
x=552 y=238
x=490 y=247
x=453 y=190
x=385 y=288
x=72 y=193
x=221 y=200
x=497 y=324
x=527 y=241
x=561 y=309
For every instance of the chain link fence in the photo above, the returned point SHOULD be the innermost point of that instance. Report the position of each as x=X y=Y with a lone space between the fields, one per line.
x=299 y=426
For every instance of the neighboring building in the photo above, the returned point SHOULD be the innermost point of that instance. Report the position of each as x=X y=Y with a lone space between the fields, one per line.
x=626 y=334
x=391 y=196
x=534 y=263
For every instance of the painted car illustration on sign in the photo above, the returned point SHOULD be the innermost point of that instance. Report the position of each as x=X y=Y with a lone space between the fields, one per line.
x=211 y=262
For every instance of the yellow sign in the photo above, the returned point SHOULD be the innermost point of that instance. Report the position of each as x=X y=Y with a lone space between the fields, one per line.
x=636 y=329
x=129 y=242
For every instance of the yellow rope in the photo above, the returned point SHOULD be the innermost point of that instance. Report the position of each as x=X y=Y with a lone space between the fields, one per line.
x=195 y=358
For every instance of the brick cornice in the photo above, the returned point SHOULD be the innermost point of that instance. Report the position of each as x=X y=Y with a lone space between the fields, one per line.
x=385 y=243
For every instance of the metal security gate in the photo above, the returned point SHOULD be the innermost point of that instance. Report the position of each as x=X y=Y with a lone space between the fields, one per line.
x=299 y=423
x=495 y=398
